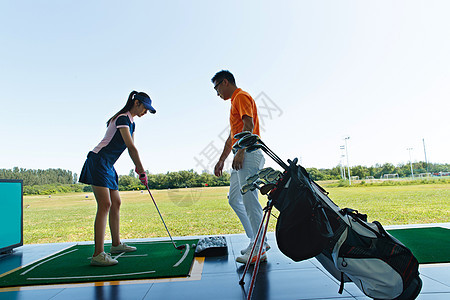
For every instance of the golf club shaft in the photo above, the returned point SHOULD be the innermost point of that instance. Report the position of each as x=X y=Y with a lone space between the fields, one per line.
x=273 y=153
x=274 y=157
x=250 y=140
x=161 y=218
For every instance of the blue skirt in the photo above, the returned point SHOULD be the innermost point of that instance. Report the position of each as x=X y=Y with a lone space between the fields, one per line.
x=99 y=172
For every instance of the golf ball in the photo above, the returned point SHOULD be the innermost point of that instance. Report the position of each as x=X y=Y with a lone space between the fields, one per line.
x=194 y=245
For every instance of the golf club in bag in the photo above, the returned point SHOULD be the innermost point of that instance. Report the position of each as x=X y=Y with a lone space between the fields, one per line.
x=181 y=247
x=310 y=225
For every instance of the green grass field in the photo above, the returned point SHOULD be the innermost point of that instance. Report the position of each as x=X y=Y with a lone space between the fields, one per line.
x=205 y=211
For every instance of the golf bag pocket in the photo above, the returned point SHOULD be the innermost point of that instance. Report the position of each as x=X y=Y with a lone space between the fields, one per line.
x=302 y=229
x=381 y=267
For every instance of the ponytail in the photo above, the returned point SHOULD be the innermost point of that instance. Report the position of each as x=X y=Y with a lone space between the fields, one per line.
x=126 y=108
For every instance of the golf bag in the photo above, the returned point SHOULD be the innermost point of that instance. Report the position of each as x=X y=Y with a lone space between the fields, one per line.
x=310 y=224
x=303 y=229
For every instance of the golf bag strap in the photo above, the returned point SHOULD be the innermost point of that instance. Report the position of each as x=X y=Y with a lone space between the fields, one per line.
x=363 y=223
x=325 y=231
x=341 y=287
x=354 y=213
x=380 y=228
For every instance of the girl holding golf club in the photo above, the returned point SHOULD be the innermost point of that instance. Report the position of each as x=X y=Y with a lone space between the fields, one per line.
x=99 y=172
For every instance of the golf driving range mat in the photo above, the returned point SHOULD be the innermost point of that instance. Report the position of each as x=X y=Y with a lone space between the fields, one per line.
x=72 y=265
x=429 y=245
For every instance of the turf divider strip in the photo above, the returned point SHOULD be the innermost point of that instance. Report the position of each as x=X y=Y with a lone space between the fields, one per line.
x=151 y=260
x=47 y=260
x=184 y=256
x=99 y=276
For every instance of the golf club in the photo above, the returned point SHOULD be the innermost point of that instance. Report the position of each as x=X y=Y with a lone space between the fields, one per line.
x=254 y=147
x=251 y=186
x=248 y=140
x=273 y=155
x=181 y=247
x=240 y=135
x=236 y=145
x=247 y=187
x=266 y=188
x=273 y=176
x=251 y=178
x=263 y=172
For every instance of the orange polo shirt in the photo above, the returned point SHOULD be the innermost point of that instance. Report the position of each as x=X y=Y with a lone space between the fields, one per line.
x=242 y=104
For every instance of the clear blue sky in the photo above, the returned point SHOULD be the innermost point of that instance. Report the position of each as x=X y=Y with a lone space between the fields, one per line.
x=377 y=71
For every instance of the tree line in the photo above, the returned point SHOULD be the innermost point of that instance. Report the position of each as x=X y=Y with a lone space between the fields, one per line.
x=52 y=181
x=39 y=177
x=377 y=171
x=173 y=180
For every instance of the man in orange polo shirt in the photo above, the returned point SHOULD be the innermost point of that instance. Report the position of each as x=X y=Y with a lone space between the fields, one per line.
x=243 y=117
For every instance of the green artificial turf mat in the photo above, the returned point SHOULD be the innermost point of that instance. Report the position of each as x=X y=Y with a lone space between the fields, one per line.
x=72 y=265
x=429 y=245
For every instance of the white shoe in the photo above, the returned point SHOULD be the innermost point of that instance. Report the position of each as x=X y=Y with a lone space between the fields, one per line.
x=103 y=260
x=249 y=248
x=244 y=258
x=122 y=247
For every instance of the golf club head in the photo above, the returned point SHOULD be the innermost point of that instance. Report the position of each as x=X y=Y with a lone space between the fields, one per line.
x=258 y=182
x=236 y=146
x=181 y=247
x=273 y=176
x=248 y=140
x=251 y=178
x=247 y=187
x=266 y=188
x=240 y=135
x=254 y=147
x=263 y=172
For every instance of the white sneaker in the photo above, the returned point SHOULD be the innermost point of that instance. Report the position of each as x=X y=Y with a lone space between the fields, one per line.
x=122 y=247
x=244 y=258
x=103 y=260
x=249 y=248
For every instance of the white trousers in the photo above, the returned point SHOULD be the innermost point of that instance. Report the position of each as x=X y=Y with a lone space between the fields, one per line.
x=247 y=207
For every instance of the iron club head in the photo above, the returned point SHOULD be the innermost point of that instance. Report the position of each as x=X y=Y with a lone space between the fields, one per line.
x=273 y=176
x=254 y=147
x=251 y=178
x=236 y=146
x=181 y=247
x=267 y=188
x=247 y=187
x=240 y=135
x=248 y=140
x=263 y=172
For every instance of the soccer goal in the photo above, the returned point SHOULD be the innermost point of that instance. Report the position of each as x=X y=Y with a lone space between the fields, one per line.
x=370 y=177
x=390 y=176
x=424 y=175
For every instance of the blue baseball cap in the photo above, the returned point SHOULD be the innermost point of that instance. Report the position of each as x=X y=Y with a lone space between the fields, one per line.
x=144 y=99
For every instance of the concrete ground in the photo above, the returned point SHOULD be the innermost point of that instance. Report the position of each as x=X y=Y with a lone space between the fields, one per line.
x=218 y=277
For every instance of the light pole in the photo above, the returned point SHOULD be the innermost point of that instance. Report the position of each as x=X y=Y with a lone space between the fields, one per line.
x=410 y=162
x=342 y=167
x=425 y=152
x=348 y=166
x=341 y=164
